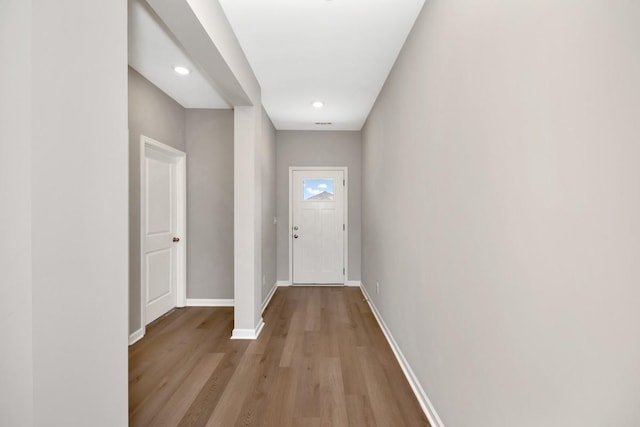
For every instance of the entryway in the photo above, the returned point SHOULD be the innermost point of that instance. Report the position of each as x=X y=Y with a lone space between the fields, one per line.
x=318 y=225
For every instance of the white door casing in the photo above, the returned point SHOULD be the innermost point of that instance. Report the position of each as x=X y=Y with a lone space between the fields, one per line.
x=318 y=225
x=163 y=208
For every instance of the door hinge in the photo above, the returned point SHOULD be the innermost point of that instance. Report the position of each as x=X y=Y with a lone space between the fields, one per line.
x=343 y=182
x=343 y=271
x=343 y=227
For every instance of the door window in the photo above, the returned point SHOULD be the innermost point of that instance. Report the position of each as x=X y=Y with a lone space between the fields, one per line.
x=318 y=189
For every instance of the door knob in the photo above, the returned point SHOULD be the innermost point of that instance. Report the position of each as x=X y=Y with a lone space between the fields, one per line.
x=295 y=236
x=295 y=227
x=176 y=239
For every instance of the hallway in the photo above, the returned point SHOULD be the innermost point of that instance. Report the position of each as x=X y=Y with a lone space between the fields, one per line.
x=320 y=360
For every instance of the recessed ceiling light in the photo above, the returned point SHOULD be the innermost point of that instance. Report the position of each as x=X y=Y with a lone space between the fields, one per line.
x=317 y=104
x=183 y=71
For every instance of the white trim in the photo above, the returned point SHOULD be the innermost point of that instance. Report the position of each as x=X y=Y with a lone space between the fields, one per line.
x=181 y=285
x=354 y=283
x=203 y=302
x=345 y=213
x=284 y=283
x=290 y=225
x=422 y=397
x=267 y=300
x=247 y=334
x=345 y=234
x=136 y=336
x=319 y=285
x=181 y=219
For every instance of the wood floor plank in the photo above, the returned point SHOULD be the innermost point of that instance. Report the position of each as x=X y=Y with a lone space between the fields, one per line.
x=230 y=404
x=385 y=409
x=333 y=411
x=353 y=378
x=321 y=360
x=308 y=389
x=359 y=411
x=292 y=344
x=281 y=404
x=144 y=371
x=306 y=422
x=313 y=313
x=155 y=385
x=261 y=385
x=203 y=406
x=173 y=411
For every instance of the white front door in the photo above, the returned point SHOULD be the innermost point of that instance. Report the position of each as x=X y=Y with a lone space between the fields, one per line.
x=159 y=226
x=318 y=226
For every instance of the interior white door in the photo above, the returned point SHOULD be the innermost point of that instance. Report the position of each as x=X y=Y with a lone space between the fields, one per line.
x=318 y=226
x=159 y=217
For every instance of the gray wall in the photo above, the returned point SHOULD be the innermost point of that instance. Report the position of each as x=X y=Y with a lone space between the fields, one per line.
x=501 y=210
x=209 y=144
x=63 y=186
x=319 y=148
x=268 y=166
x=16 y=325
x=153 y=114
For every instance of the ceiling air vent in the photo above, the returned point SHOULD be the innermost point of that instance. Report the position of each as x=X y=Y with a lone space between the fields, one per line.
x=324 y=123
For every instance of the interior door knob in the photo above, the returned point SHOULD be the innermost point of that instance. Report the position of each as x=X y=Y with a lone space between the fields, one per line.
x=176 y=239
x=295 y=236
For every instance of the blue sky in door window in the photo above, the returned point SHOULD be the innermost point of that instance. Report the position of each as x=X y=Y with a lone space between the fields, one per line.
x=318 y=189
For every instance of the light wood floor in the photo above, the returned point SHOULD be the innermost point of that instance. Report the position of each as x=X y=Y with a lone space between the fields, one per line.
x=321 y=360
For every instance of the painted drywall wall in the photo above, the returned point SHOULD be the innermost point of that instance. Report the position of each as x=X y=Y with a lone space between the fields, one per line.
x=209 y=145
x=247 y=168
x=315 y=148
x=215 y=23
x=247 y=207
x=154 y=114
x=210 y=42
x=268 y=165
x=16 y=362
x=79 y=212
x=500 y=210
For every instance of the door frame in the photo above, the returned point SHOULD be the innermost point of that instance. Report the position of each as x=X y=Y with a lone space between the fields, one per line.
x=181 y=220
x=345 y=242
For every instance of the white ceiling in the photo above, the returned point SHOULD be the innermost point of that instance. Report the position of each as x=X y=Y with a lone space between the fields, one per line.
x=153 y=52
x=336 y=51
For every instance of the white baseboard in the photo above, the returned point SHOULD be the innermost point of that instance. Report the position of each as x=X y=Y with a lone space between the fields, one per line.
x=354 y=283
x=267 y=300
x=422 y=397
x=247 y=334
x=136 y=336
x=196 y=302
